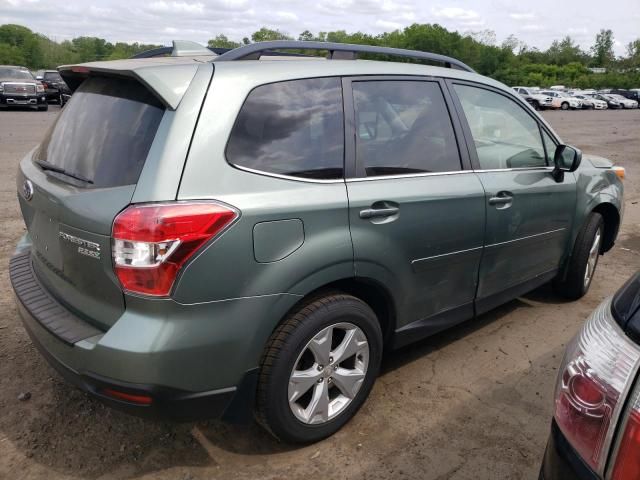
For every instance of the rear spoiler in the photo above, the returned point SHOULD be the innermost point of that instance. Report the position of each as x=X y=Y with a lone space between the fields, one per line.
x=168 y=81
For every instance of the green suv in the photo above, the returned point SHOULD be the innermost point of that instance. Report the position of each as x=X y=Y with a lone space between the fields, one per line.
x=216 y=236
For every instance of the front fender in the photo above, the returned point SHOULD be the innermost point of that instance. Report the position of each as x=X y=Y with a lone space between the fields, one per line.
x=595 y=186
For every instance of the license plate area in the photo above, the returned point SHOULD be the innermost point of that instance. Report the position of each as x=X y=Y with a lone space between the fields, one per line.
x=44 y=235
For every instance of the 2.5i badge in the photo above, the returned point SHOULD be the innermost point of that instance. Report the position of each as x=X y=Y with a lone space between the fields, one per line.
x=85 y=247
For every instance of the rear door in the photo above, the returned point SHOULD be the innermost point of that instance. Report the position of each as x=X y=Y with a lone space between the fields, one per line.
x=85 y=172
x=529 y=213
x=416 y=211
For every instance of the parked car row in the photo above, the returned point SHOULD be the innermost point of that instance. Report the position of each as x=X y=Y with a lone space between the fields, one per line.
x=558 y=98
x=19 y=87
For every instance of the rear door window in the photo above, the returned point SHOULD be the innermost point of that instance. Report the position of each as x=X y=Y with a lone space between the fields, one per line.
x=402 y=128
x=104 y=133
x=292 y=128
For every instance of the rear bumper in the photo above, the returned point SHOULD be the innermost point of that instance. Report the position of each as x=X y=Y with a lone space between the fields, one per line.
x=192 y=361
x=167 y=403
x=561 y=462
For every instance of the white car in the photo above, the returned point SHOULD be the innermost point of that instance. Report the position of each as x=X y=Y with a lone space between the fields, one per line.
x=535 y=98
x=563 y=100
x=593 y=102
x=625 y=102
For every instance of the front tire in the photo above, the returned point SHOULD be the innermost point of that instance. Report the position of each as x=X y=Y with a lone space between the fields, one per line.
x=318 y=368
x=564 y=106
x=584 y=259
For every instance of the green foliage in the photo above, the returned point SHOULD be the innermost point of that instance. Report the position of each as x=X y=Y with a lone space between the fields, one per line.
x=265 y=34
x=602 y=50
x=221 y=41
x=21 y=46
x=511 y=62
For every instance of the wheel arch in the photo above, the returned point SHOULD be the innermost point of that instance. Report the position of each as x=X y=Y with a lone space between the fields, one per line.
x=370 y=291
x=611 y=217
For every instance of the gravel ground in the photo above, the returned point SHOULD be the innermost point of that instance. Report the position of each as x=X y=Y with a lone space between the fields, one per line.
x=472 y=403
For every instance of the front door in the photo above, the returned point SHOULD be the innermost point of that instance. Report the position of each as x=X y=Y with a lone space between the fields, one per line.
x=416 y=214
x=529 y=213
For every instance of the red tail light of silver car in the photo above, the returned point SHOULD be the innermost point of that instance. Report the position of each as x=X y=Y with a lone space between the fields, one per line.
x=594 y=379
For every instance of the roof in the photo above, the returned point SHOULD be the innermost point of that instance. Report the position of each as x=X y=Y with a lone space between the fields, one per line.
x=266 y=70
x=170 y=77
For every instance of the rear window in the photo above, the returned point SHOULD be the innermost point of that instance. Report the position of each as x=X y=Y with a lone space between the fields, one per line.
x=105 y=132
x=53 y=76
x=291 y=128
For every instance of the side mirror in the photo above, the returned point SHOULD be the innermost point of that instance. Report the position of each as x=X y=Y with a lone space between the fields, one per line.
x=565 y=159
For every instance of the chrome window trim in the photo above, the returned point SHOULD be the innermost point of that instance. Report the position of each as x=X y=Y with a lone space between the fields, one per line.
x=518 y=169
x=408 y=175
x=455 y=172
x=288 y=177
x=387 y=177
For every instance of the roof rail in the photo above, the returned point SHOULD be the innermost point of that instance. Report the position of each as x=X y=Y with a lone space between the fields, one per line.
x=336 y=51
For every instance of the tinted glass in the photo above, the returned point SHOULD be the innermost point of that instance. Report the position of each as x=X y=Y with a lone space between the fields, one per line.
x=291 y=128
x=53 y=76
x=505 y=135
x=105 y=132
x=403 y=127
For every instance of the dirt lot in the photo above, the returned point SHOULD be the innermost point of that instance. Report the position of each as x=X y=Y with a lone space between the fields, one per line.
x=472 y=403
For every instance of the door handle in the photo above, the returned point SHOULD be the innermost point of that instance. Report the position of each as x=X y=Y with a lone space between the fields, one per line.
x=379 y=212
x=501 y=199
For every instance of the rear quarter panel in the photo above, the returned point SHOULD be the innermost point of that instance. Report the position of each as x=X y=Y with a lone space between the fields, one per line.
x=228 y=267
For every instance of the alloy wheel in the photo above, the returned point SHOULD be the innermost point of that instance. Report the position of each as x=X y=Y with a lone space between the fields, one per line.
x=328 y=373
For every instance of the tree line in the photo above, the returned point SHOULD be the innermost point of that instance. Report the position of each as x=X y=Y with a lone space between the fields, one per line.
x=512 y=61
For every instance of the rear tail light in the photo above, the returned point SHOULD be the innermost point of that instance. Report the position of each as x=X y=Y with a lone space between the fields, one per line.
x=627 y=461
x=151 y=242
x=597 y=370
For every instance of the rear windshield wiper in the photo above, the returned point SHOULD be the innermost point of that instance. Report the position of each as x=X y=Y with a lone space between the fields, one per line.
x=48 y=166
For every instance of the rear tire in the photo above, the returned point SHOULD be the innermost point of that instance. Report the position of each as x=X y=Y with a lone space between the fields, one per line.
x=293 y=371
x=584 y=259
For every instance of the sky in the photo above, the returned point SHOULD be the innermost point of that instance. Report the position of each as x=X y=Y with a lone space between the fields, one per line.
x=536 y=22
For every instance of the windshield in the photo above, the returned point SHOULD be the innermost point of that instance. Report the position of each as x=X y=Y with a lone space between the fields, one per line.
x=15 y=73
x=105 y=132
